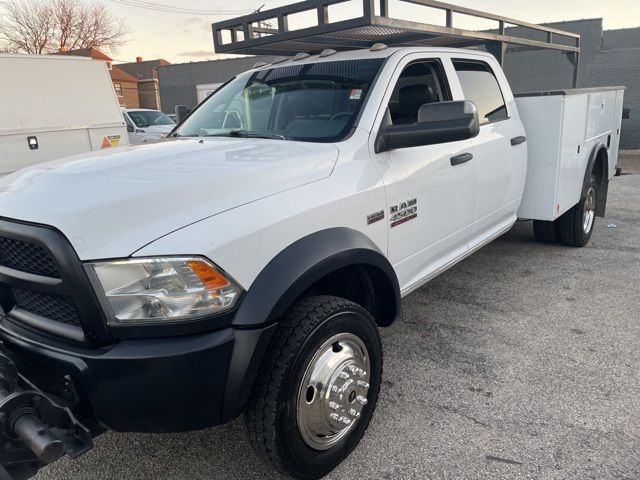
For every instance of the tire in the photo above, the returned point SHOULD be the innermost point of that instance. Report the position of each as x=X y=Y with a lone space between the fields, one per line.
x=285 y=412
x=576 y=225
x=546 y=232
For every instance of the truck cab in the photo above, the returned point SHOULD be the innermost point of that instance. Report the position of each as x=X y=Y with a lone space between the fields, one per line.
x=248 y=262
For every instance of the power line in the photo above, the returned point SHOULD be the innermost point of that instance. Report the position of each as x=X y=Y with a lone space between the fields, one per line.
x=177 y=10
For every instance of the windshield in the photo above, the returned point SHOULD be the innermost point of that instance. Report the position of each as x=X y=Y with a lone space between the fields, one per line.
x=312 y=102
x=149 y=118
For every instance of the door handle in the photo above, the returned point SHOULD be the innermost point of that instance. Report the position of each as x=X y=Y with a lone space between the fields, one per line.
x=518 y=140
x=462 y=158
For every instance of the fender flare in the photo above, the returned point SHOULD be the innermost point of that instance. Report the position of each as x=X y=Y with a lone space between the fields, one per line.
x=301 y=264
x=288 y=275
x=603 y=186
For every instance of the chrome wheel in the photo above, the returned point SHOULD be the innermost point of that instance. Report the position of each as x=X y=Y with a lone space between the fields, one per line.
x=333 y=391
x=589 y=212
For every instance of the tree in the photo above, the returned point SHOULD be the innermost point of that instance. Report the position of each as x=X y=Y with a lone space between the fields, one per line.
x=41 y=26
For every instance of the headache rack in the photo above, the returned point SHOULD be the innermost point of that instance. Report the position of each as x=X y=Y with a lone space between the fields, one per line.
x=313 y=29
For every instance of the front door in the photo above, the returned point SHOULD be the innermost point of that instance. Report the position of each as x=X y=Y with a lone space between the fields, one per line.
x=430 y=197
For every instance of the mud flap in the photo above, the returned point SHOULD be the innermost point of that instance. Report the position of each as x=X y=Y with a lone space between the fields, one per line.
x=34 y=430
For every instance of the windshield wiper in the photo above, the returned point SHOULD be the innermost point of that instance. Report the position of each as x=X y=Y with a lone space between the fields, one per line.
x=246 y=134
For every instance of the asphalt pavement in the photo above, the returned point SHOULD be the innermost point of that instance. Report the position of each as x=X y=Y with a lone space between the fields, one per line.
x=523 y=361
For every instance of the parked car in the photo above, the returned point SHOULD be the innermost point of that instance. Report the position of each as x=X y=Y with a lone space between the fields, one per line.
x=55 y=106
x=146 y=125
x=248 y=263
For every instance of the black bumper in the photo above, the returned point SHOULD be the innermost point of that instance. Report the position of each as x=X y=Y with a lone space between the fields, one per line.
x=150 y=385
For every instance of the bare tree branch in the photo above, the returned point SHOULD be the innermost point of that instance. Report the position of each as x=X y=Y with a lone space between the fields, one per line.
x=41 y=26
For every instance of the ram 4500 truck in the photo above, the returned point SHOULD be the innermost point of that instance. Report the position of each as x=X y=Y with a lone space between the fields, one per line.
x=247 y=263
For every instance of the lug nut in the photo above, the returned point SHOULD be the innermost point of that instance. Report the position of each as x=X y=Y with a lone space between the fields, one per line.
x=336 y=390
x=353 y=369
x=335 y=416
x=346 y=421
x=363 y=384
x=353 y=413
x=343 y=375
x=334 y=406
x=361 y=373
x=361 y=400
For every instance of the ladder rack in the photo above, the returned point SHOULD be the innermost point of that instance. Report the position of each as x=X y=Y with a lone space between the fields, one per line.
x=267 y=32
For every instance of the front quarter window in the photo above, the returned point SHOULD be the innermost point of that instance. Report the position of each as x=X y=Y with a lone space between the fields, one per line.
x=308 y=102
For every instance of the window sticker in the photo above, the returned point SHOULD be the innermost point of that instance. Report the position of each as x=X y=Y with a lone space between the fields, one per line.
x=355 y=94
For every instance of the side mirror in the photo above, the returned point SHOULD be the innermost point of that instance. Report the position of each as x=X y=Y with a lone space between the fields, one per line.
x=440 y=122
x=130 y=128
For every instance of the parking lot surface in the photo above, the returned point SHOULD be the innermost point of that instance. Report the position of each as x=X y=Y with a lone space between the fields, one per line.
x=523 y=361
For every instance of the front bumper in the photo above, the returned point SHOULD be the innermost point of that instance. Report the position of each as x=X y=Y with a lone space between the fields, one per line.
x=145 y=385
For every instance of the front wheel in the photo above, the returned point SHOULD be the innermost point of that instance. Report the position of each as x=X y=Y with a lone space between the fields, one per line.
x=317 y=388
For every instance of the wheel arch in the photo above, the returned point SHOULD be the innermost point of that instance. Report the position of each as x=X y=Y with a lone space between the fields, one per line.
x=598 y=165
x=305 y=267
x=300 y=267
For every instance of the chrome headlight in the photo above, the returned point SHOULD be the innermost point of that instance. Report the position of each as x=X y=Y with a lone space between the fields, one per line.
x=164 y=290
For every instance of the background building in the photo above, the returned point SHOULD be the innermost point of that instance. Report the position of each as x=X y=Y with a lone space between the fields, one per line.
x=145 y=71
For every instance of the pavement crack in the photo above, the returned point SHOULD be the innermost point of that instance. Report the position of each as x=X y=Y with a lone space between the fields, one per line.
x=455 y=411
x=503 y=460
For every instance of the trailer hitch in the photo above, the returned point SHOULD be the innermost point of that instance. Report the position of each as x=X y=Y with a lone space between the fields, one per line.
x=34 y=430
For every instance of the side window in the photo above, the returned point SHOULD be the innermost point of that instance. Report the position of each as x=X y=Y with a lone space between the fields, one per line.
x=419 y=83
x=479 y=84
x=127 y=121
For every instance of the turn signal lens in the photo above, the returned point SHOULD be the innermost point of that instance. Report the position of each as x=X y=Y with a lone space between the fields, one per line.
x=211 y=278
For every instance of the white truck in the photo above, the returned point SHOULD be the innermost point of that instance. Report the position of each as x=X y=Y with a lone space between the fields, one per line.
x=55 y=106
x=247 y=263
x=146 y=125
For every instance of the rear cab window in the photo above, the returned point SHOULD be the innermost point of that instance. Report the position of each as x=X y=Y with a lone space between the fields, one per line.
x=480 y=85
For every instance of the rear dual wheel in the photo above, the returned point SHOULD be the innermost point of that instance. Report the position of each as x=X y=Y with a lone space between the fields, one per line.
x=573 y=228
x=317 y=388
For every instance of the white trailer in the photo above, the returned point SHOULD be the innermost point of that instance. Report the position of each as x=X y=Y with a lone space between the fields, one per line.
x=55 y=106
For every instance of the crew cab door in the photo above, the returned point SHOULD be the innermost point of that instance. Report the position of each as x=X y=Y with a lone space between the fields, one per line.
x=430 y=194
x=499 y=151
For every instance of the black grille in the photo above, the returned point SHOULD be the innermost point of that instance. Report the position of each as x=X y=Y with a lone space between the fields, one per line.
x=26 y=257
x=54 y=307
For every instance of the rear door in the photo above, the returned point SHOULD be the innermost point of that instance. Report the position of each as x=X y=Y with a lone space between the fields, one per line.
x=500 y=153
x=430 y=201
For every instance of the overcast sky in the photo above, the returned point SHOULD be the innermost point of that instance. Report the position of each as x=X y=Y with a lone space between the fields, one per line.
x=183 y=38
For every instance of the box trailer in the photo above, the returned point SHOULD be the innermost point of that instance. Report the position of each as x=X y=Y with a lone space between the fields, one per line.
x=53 y=107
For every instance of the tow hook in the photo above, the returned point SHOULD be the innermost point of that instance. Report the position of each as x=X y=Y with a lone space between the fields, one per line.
x=34 y=430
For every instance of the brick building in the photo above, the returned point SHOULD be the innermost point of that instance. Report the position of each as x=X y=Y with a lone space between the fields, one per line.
x=146 y=72
x=125 y=85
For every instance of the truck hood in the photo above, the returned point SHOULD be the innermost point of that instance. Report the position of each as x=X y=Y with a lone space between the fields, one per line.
x=111 y=203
